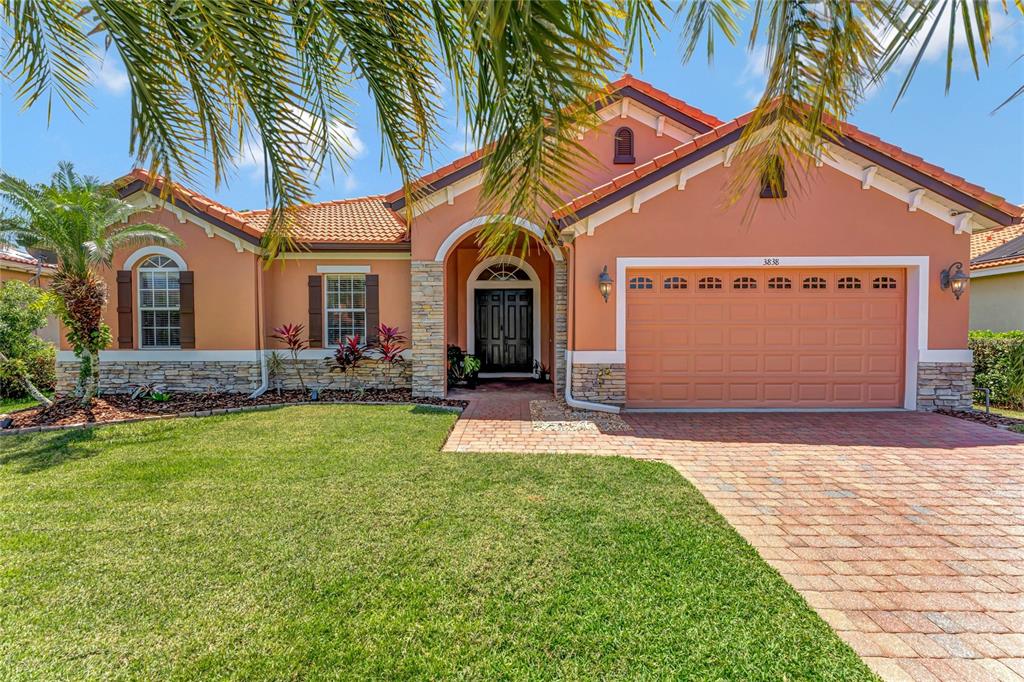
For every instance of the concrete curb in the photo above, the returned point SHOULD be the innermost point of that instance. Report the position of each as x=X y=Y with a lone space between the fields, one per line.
x=216 y=411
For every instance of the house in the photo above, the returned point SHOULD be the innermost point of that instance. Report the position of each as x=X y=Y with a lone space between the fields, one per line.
x=20 y=266
x=997 y=279
x=657 y=295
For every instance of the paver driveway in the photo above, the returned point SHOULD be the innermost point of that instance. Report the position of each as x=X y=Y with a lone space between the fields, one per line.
x=905 y=531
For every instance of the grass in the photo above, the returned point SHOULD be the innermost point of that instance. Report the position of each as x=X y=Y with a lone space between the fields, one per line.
x=1006 y=412
x=338 y=542
x=12 y=404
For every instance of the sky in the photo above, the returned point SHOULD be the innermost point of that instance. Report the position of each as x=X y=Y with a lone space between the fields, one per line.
x=957 y=131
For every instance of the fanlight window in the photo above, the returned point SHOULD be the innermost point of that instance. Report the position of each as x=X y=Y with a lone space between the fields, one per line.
x=815 y=283
x=709 y=283
x=744 y=283
x=159 y=303
x=780 y=283
x=848 y=283
x=503 y=272
x=675 y=283
x=641 y=283
x=884 y=283
x=624 y=146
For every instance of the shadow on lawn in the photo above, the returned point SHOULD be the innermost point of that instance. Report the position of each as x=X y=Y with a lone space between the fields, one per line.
x=44 y=451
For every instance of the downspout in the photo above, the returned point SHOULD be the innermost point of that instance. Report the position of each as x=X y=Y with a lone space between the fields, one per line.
x=571 y=301
x=264 y=375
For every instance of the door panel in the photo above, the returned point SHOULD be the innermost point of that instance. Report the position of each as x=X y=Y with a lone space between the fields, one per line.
x=765 y=338
x=504 y=329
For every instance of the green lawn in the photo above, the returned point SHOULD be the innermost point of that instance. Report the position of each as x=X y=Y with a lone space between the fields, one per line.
x=336 y=541
x=1006 y=412
x=12 y=404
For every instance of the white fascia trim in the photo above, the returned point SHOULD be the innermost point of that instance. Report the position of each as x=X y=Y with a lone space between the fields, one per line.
x=343 y=269
x=1002 y=270
x=448 y=195
x=600 y=357
x=146 y=251
x=659 y=123
x=465 y=228
x=917 y=268
x=143 y=200
x=347 y=255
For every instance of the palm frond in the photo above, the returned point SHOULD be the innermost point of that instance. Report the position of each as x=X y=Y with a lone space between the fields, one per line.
x=703 y=18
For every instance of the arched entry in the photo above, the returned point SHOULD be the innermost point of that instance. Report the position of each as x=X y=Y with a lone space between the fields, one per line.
x=503 y=323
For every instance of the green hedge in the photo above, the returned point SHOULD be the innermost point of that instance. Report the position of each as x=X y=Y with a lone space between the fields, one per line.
x=999 y=365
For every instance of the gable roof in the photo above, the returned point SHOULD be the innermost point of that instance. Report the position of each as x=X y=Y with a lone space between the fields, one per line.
x=19 y=260
x=627 y=86
x=983 y=242
x=996 y=248
x=871 y=147
x=360 y=221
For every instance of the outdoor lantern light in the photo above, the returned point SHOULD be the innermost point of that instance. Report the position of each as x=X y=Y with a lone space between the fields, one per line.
x=955 y=280
x=604 y=284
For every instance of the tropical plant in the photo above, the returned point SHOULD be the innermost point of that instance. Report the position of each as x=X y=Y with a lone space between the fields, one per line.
x=349 y=354
x=209 y=80
x=291 y=336
x=83 y=222
x=390 y=346
x=999 y=365
x=275 y=369
x=23 y=355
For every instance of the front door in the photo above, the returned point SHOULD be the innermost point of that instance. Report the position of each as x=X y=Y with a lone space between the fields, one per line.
x=504 y=329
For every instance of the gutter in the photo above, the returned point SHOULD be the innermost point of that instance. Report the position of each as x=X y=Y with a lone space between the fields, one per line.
x=582 y=404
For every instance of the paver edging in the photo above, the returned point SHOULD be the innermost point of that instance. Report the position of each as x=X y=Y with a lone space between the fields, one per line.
x=218 y=411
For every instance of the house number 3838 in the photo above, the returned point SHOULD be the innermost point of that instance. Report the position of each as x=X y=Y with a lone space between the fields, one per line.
x=771 y=261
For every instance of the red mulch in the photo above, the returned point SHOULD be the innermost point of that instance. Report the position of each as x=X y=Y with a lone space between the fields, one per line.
x=117 y=407
x=989 y=418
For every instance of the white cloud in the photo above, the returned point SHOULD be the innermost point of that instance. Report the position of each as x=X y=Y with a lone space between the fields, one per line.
x=464 y=145
x=109 y=75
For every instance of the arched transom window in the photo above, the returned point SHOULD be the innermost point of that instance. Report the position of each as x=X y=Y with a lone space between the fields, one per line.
x=159 y=303
x=503 y=272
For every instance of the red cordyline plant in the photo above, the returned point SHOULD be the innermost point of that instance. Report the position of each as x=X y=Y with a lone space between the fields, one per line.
x=291 y=336
x=348 y=355
x=391 y=344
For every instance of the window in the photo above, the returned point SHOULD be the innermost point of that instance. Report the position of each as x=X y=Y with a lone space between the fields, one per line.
x=675 y=283
x=848 y=283
x=815 y=283
x=779 y=172
x=346 y=307
x=159 y=303
x=709 y=283
x=641 y=283
x=624 y=146
x=503 y=272
x=884 y=283
x=780 y=283
x=744 y=283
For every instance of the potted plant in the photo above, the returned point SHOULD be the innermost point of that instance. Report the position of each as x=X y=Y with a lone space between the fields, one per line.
x=471 y=370
x=540 y=372
x=462 y=368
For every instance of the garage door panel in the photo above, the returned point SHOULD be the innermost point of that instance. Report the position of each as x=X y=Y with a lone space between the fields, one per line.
x=742 y=338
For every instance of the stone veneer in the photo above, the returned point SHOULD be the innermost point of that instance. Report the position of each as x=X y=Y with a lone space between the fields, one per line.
x=945 y=385
x=561 y=325
x=232 y=376
x=429 y=357
x=599 y=383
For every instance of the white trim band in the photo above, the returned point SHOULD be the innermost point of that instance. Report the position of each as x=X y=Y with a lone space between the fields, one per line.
x=343 y=269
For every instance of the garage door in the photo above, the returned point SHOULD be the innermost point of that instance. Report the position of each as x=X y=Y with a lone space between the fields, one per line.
x=765 y=338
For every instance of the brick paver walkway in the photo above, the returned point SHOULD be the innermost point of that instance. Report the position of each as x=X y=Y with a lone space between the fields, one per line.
x=904 y=531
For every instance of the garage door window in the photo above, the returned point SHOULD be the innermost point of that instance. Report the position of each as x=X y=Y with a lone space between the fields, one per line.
x=709 y=283
x=848 y=283
x=675 y=283
x=884 y=283
x=641 y=283
x=744 y=283
x=780 y=283
x=815 y=283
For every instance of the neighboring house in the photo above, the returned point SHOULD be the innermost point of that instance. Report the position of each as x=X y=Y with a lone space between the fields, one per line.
x=827 y=298
x=997 y=279
x=23 y=267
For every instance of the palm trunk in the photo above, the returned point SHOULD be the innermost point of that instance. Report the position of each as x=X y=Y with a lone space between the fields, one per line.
x=36 y=394
x=92 y=380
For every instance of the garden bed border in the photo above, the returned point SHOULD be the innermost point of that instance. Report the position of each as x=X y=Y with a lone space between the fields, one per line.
x=219 y=411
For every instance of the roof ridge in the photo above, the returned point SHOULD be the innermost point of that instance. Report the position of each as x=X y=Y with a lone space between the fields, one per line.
x=315 y=204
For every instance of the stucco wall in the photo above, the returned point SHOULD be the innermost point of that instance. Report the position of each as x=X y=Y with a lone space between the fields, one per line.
x=829 y=216
x=997 y=302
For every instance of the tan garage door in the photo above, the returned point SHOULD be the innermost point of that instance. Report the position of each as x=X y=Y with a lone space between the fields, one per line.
x=765 y=338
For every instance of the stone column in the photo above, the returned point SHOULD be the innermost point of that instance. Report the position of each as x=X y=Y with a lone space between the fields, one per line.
x=561 y=325
x=944 y=385
x=428 y=351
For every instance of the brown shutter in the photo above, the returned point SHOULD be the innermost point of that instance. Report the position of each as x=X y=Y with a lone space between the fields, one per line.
x=316 y=312
x=186 y=285
x=125 y=325
x=372 y=308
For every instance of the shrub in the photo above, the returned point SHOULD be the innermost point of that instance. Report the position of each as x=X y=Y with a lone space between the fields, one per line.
x=999 y=365
x=23 y=310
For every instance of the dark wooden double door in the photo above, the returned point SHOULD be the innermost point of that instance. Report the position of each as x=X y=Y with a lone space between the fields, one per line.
x=504 y=329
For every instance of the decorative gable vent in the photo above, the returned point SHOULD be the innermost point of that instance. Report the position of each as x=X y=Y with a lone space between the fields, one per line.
x=624 y=146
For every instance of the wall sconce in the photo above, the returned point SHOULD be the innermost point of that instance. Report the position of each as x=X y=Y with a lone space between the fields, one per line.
x=604 y=283
x=955 y=280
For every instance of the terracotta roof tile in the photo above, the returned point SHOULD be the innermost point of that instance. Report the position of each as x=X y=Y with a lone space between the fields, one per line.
x=983 y=242
x=12 y=256
x=366 y=220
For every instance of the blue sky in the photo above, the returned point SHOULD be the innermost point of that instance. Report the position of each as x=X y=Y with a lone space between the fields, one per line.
x=956 y=131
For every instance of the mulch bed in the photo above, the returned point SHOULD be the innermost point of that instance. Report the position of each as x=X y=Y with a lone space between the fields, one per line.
x=111 y=408
x=989 y=419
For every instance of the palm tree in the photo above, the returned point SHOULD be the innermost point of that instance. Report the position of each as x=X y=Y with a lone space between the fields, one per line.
x=209 y=78
x=83 y=222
